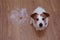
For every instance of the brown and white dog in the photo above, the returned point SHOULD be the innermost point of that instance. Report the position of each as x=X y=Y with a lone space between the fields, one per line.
x=39 y=18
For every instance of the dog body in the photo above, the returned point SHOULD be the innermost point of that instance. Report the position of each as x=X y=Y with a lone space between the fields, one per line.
x=39 y=18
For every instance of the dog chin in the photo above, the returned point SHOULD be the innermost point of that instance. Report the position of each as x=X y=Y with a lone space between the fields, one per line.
x=43 y=28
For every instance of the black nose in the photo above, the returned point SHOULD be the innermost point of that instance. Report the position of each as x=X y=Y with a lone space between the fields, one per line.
x=40 y=25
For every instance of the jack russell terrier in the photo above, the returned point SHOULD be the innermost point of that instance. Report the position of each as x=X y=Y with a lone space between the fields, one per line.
x=39 y=18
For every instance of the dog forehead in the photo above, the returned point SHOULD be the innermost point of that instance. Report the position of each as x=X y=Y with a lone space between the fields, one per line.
x=39 y=16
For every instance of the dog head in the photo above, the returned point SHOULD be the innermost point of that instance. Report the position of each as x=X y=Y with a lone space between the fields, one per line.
x=40 y=19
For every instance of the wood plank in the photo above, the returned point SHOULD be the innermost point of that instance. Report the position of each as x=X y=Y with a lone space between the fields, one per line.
x=9 y=31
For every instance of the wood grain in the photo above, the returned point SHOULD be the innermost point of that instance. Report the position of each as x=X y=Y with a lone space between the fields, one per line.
x=8 y=31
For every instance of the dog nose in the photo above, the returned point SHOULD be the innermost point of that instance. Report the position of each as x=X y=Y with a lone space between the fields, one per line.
x=40 y=25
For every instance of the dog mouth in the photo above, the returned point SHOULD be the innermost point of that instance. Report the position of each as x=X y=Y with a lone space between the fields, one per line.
x=42 y=28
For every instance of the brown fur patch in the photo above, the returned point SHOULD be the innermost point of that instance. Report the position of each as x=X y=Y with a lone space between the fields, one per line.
x=45 y=15
x=34 y=16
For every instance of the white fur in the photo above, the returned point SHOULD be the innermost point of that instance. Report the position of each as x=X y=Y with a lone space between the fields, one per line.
x=39 y=10
x=14 y=16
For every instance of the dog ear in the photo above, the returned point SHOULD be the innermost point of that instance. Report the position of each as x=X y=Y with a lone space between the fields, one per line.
x=46 y=14
x=34 y=15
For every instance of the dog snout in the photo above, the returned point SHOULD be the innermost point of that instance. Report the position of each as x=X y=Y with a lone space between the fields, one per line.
x=40 y=25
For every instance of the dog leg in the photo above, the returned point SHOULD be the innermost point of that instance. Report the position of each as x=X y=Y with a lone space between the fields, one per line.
x=31 y=22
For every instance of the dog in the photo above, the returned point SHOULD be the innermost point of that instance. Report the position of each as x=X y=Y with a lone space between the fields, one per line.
x=39 y=18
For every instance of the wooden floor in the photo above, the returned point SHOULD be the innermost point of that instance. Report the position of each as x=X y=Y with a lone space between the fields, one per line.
x=15 y=32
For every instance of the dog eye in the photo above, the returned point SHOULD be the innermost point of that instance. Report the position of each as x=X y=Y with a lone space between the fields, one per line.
x=43 y=18
x=37 y=19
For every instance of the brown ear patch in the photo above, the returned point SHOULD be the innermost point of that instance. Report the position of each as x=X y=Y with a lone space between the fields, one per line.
x=45 y=15
x=34 y=16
